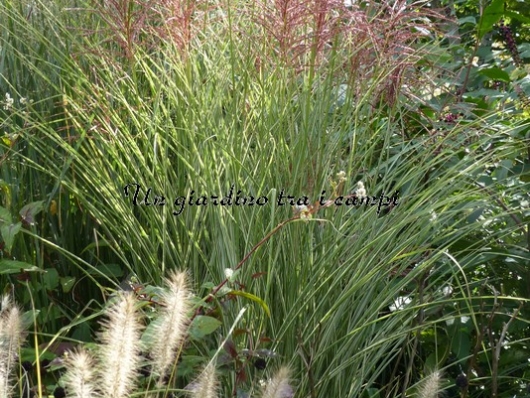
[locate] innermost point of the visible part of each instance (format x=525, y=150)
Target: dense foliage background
x=427, y=99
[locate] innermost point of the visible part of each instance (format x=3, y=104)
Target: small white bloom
x=300, y=208
x=433, y=217
x=228, y=273
x=360, y=191
x=341, y=175
x=447, y=291
x=23, y=100
x=8, y=102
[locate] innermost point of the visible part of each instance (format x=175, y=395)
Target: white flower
x=303, y=210
x=341, y=175
x=360, y=191
x=300, y=208
x=8, y=102
x=23, y=100
x=228, y=273
x=433, y=217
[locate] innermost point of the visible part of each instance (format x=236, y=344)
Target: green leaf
x=501, y=172
x=29, y=211
x=50, y=278
x=253, y=298
x=5, y=216
x=492, y=14
x=67, y=282
x=495, y=74
x=516, y=16
x=208, y=285
x=460, y=344
x=203, y=326
x=475, y=215
x=15, y=267
x=8, y=234
x=109, y=270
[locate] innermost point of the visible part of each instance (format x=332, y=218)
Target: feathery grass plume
x=171, y=327
x=11, y=336
x=278, y=386
x=79, y=375
x=206, y=384
x=430, y=386
x=120, y=349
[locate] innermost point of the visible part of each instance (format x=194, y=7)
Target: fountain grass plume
x=279, y=385
x=11, y=336
x=79, y=376
x=430, y=386
x=120, y=349
x=206, y=384
x=171, y=327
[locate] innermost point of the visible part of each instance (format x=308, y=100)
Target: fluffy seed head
x=206, y=384
x=120, y=349
x=170, y=329
x=79, y=375
x=430, y=386
x=11, y=336
x=278, y=386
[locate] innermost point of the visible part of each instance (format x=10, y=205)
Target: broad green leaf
x=15, y=267
x=492, y=14
x=50, y=278
x=8, y=234
x=202, y=326
x=253, y=298
x=495, y=74
x=67, y=282
x=29, y=211
x=5, y=216
x=517, y=16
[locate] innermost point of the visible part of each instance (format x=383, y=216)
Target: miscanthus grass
x=269, y=96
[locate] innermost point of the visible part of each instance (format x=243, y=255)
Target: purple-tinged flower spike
x=508, y=38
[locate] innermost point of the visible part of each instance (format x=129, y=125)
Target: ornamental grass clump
x=118, y=357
